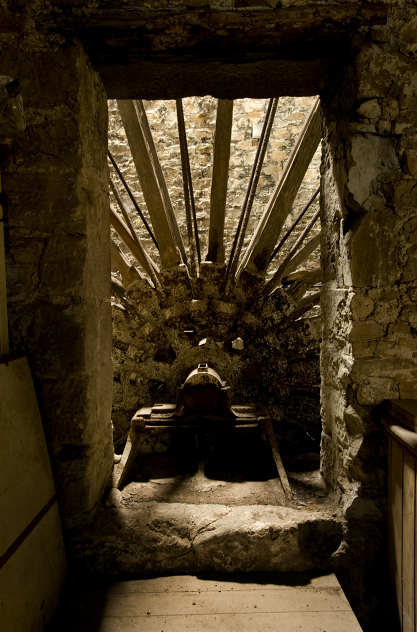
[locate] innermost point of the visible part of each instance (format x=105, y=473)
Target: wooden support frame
x=259, y=251
x=218, y=196
x=152, y=182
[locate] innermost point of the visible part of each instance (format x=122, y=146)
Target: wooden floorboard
x=177, y=604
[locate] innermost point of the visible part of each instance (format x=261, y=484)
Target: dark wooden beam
x=221, y=156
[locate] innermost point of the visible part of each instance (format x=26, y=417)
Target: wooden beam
x=294, y=224
x=151, y=266
x=132, y=198
x=289, y=265
x=193, y=243
x=124, y=234
x=151, y=180
x=311, y=277
x=267, y=233
x=250, y=195
x=127, y=271
x=221, y=156
x=4, y=328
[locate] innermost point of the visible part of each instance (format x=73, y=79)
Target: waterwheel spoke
x=194, y=245
x=130, y=194
x=221, y=157
x=292, y=264
x=152, y=182
x=139, y=253
x=127, y=271
x=151, y=266
x=294, y=225
x=250, y=194
x=259, y=251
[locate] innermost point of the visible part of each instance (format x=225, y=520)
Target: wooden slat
x=4, y=328
x=256, y=622
x=221, y=156
x=397, y=522
x=291, y=602
x=267, y=233
x=191, y=583
x=151, y=180
x=408, y=536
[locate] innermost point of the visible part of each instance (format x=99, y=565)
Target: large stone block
x=373, y=250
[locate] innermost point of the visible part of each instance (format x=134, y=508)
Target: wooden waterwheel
x=192, y=307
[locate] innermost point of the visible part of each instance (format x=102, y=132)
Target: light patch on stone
x=238, y=344
x=373, y=157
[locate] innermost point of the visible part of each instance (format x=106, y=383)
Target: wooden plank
x=397, y=524
x=267, y=233
x=205, y=583
x=218, y=196
x=151, y=180
x=4, y=328
x=195, y=603
x=256, y=622
x=408, y=536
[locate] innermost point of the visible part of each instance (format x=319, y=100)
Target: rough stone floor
x=250, y=602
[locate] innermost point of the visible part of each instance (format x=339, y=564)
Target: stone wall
x=370, y=290
x=58, y=263
x=200, y=121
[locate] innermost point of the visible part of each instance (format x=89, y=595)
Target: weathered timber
x=311, y=277
x=152, y=269
x=302, y=308
x=221, y=156
x=292, y=264
x=302, y=254
x=250, y=194
x=124, y=234
x=266, y=425
x=283, y=268
x=4, y=329
x=127, y=271
x=130, y=194
x=193, y=242
x=259, y=251
x=294, y=224
x=150, y=177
